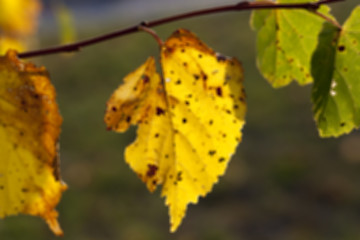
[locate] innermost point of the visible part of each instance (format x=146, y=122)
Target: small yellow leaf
x=18, y=22
x=19, y=17
x=29, y=130
x=189, y=123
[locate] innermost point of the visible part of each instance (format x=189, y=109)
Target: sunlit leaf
x=189, y=129
x=336, y=92
x=18, y=21
x=286, y=40
x=29, y=130
x=19, y=17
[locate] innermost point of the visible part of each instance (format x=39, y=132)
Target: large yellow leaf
x=29, y=130
x=189, y=129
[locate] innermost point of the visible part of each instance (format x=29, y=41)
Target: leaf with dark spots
x=185, y=120
x=336, y=93
x=283, y=54
x=29, y=133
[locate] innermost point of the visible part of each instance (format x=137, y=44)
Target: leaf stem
x=328, y=19
x=143, y=27
x=234, y=7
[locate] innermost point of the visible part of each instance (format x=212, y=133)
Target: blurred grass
x=283, y=183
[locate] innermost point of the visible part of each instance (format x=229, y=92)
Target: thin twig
x=235, y=7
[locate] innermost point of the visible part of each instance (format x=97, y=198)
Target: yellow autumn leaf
x=188, y=129
x=18, y=21
x=30, y=122
x=19, y=17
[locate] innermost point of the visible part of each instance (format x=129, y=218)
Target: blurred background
x=284, y=182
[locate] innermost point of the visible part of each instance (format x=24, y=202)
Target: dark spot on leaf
x=154, y=182
x=342, y=124
x=236, y=106
x=166, y=156
x=211, y=122
x=182, y=50
x=219, y=91
x=187, y=103
x=228, y=111
x=151, y=170
x=114, y=109
x=224, y=135
x=221, y=159
x=205, y=77
x=345, y=69
x=189, y=96
x=200, y=56
x=128, y=119
x=241, y=99
x=341, y=48
x=196, y=76
x=212, y=152
x=184, y=120
x=134, y=88
x=145, y=78
x=160, y=111
x=1, y=187
x=185, y=64
x=178, y=82
x=156, y=135
x=21, y=133
x=178, y=176
x=220, y=58
x=25, y=190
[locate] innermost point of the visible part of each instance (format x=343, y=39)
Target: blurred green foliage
x=283, y=183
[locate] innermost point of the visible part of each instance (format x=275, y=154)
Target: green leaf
x=336, y=91
x=286, y=40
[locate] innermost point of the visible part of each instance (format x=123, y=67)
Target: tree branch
x=235, y=7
